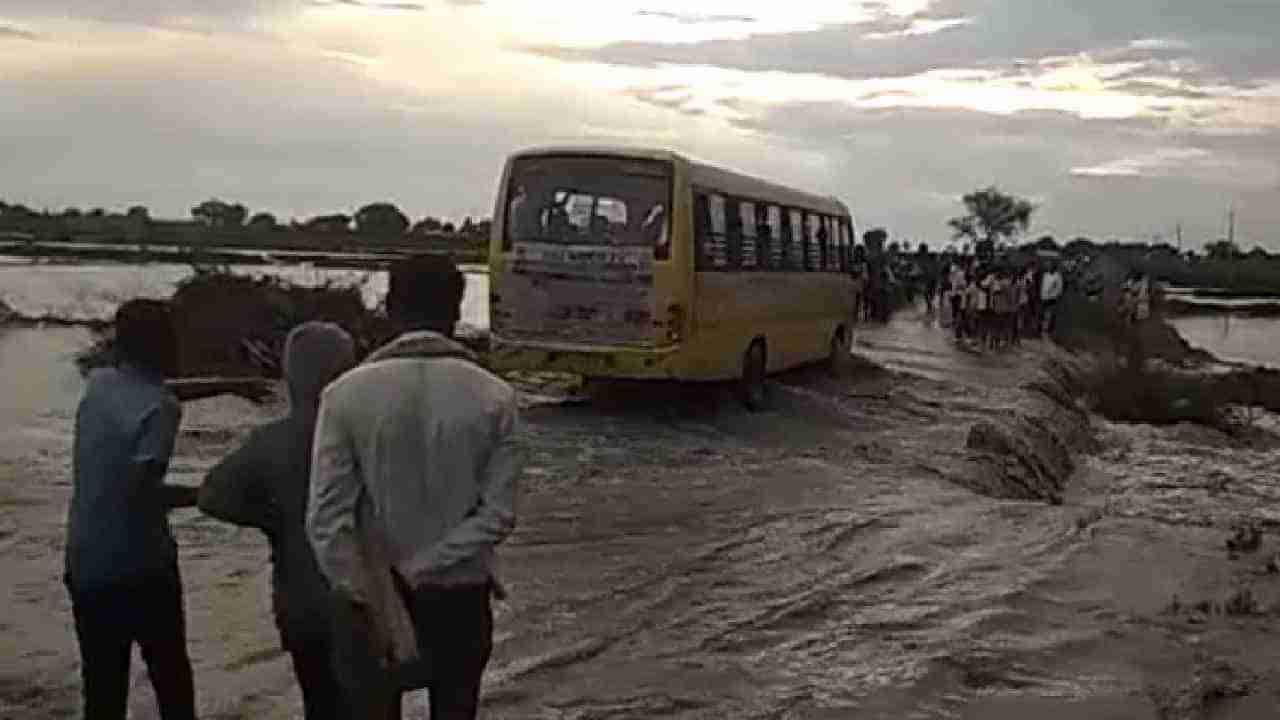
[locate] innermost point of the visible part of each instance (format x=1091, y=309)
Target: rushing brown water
x=679, y=557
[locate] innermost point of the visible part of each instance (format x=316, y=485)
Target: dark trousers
x=313, y=665
x=455, y=638
x=109, y=621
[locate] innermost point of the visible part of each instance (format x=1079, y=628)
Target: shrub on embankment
x=1146, y=372
x=234, y=325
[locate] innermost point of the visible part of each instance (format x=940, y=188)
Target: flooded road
x=679, y=557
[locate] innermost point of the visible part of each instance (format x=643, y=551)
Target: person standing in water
x=265, y=483
x=121, y=558
x=415, y=452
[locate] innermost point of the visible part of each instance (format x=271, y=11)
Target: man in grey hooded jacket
x=264, y=485
x=416, y=448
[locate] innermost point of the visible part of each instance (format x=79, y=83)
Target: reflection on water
x=1244, y=339
x=94, y=291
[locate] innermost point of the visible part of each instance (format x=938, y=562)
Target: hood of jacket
x=315, y=354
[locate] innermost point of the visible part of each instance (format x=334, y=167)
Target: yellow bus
x=645, y=264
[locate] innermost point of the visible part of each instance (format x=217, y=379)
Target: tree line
x=382, y=219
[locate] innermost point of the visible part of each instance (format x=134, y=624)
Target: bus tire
x=752, y=388
x=838, y=356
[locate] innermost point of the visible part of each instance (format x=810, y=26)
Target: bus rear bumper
x=586, y=360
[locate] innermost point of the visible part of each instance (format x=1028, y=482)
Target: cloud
x=899, y=166
x=1159, y=162
x=402, y=6
x=16, y=33
x=695, y=18
x=668, y=97
x=1160, y=90
x=190, y=14
x=1233, y=47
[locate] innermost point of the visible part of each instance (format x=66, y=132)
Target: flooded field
x=94, y=291
x=1252, y=340
x=680, y=557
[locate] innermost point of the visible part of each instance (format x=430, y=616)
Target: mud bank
x=1030, y=452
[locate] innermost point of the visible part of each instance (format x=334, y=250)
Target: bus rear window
x=589, y=201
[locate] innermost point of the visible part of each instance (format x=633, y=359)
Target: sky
x=1119, y=119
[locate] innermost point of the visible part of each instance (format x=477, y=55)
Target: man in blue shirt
x=121, y=559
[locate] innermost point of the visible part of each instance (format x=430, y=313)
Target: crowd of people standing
x=998, y=305
x=987, y=303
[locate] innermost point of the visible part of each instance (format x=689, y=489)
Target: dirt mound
x=1029, y=454
x=234, y=325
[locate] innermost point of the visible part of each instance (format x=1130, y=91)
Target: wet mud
x=934, y=534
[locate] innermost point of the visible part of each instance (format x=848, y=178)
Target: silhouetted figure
x=121, y=559
x=1051, y=287
x=265, y=483
x=415, y=459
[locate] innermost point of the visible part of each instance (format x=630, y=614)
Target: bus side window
x=712, y=236
x=832, y=244
x=812, y=250
x=733, y=234
x=772, y=233
x=748, y=236
x=842, y=234
x=795, y=240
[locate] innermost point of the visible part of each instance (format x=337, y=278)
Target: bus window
x=795, y=240
x=812, y=242
x=831, y=243
x=845, y=246
x=713, y=242
x=748, y=236
x=837, y=225
x=597, y=201
x=772, y=232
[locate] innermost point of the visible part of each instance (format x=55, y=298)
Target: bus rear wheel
x=752, y=387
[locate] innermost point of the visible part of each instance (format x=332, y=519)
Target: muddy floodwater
x=679, y=557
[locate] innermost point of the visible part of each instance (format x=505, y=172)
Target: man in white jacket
x=416, y=449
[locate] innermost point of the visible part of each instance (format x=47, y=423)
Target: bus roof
x=705, y=175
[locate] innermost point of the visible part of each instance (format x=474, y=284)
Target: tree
x=262, y=221
x=991, y=218
x=335, y=223
x=427, y=225
x=1080, y=246
x=381, y=218
x=448, y=229
x=1222, y=250
x=216, y=213
x=1258, y=253
x=875, y=239
x=97, y=213
x=139, y=212
x=1047, y=243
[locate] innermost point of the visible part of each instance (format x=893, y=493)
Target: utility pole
x=1179, y=238
x=1231, y=223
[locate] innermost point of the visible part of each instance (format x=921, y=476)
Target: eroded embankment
x=1029, y=452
